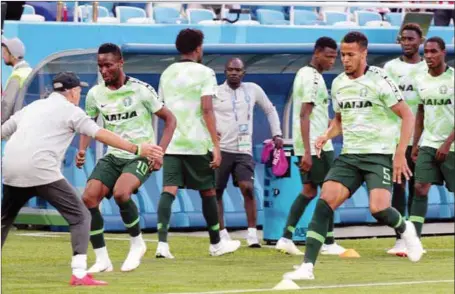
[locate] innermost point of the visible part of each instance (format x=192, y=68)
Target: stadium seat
x=242, y=16
x=395, y=18
x=345, y=24
x=378, y=23
x=272, y=7
x=331, y=17
x=197, y=15
x=32, y=18
x=247, y=23
x=308, y=8
x=28, y=9
x=125, y=13
x=109, y=19
x=362, y=17
x=271, y=17
x=167, y=15
x=211, y=22
x=86, y=12
x=305, y=17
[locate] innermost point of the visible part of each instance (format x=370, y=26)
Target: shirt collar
x=20, y=64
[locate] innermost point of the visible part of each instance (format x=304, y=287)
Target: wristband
x=138, y=150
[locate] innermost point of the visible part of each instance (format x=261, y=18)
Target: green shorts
x=351, y=170
x=428, y=170
x=109, y=168
x=319, y=169
x=189, y=171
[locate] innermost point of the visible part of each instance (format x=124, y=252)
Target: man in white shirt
x=39, y=135
x=234, y=116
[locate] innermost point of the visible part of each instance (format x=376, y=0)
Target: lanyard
x=247, y=100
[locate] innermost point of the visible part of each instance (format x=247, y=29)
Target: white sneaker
x=412, y=241
x=287, y=246
x=137, y=251
x=224, y=247
x=162, y=251
x=103, y=262
x=252, y=238
x=332, y=249
x=224, y=235
x=399, y=248
x=303, y=272
x=101, y=266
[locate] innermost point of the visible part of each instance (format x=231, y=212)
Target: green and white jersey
x=368, y=124
x=182, y=85
x=126, y=111
x=404, y=75
x=309, y=87
x=437, y=96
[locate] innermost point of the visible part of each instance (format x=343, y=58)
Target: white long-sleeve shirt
x=40, y=134
x=244, y=98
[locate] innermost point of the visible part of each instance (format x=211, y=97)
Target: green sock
x=399, y=202
x=130, y=217
x=391, y=217
x=317, y=231
x=418, y=212
x=297, y=209
x=330, y=238
x=97, y=229
x=164, y=215
x=210, y=212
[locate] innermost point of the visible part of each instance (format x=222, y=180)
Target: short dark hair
x=438, y=40
x=110, y=48
x=188, y=40
x=356, y=37
x=412, y=27
x=325, y=42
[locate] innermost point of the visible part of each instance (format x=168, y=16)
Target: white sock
x=79, y=265
x=224, y=232
x=252, y=232
x=163, y=245
x=101, y=253
x=136, y=241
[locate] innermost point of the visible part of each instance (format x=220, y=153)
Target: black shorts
x=240, y=166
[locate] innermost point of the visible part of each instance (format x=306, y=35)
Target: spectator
x=13, y=52
x=442, y=17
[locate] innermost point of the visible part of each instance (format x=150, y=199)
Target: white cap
x=14, y=46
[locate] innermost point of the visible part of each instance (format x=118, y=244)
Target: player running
x=187, y=87
x=403, y=71
x=126, y=106
x=435, y=118
x=310, y=120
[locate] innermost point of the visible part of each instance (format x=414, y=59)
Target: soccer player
x=234, y=116
x=403, y=71
x=40, y=135
x=187, y=87
x=435, y=118
x=362, y=97
x=126, y=106
x=310, y=120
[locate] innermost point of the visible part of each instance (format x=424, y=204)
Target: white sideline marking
x=324, y=287
x=59, y=234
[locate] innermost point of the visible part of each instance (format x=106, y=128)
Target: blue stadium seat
x=362, y=17
x=242, y=16
x=197, y=15
x=271, y=17
x=87, y=11
x=395, y=18
x=332, y=17
x=167, y=15
x=305, y=17
x=28, y=9
x=125, y=13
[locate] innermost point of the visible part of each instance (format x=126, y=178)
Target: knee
x=309, y=191
x=91, y=200
x=247, y=190
x=122, y=194
x=422, y=189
